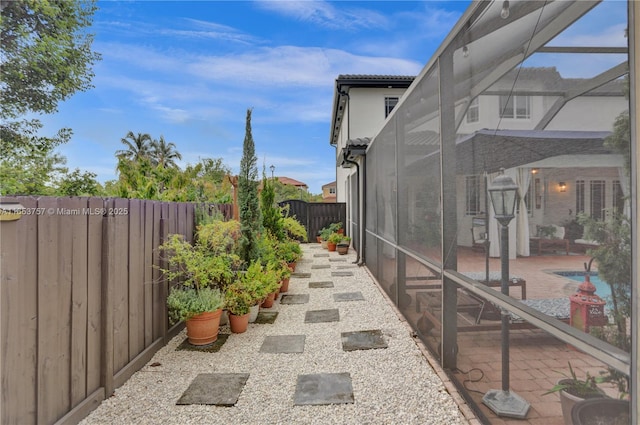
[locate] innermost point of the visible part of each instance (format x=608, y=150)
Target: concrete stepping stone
x=321, y=255
x=214, y=347
x=348, y=296
x=363, y=340
x=294, y=299
x=266, y=317
x=322, y=316
x=351, y=266
x=301, y=275
x=219, y=389
x=337, y=260
x=323, y=388
x=321, y=284
x=283, y=344
x=341, y=273
x=321, y=266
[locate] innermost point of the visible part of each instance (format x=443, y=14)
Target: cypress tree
x=249, y=206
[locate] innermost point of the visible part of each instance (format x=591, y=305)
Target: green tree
x=271, y=216
x=138, y=146
x=79, y=183
x=284, y=192
x=248, y=197
x=164, y=154
x=46, y=58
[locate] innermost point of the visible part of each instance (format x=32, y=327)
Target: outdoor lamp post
x=504, y=193
x=272, y=168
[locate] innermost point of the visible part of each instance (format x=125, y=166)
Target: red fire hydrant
x=587, y=308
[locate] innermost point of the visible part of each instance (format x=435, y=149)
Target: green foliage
x=257, y=283
x=79, y=183
x=583, y=388
x=294, y=229
x=207, y=214
x=248, y=197
x=138, y=147
x=219, y=237
x=164, y=154
x=238, y=299
x=271, y=216
x=335, y=238
x=289, y=251
x=345, y=240
x=613, y=256
x=184, y=303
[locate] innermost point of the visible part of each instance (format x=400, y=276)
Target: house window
x=332, y=190
x=579, y=196
x=597, y=199
x=389, y=104
x=618, y=197
x=473, y=113
x=517, y=107
x=472, y=192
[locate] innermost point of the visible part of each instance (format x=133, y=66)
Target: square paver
x=350, y=266
x=283, y=344
x=214, y=347
x=266, y=317
x=320, y=255
x=321, y=316
x=321, y=284
x=341, y=273
x=323, y=388
x=348, y=296
x=337, y=260
x=363, y=340
x=301, y=275
x=219, y=389
x=321, y=266
x=294, y=299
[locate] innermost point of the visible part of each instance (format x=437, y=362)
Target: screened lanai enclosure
x=537, y=91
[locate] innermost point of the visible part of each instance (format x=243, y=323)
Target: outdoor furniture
x=540, y=244
x=495, y=281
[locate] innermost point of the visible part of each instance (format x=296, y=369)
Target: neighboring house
x=292, y=182
x=542, y=101
x=329, y=192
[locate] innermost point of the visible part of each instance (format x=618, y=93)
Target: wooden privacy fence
x=82, y=306
x=316, y=215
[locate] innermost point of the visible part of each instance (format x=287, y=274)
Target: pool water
x=602, y=288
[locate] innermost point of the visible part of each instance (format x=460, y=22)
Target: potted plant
x=343, y=246
x=605, y=411
x=333, y=241
x=238, y=301
x=324, y=234
x=571, y=390
x=197, y=298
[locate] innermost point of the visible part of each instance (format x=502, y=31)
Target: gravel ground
x=395, y=385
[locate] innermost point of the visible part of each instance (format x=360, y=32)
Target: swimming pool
x=602, y=288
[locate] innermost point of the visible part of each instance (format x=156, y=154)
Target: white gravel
x=395, y=385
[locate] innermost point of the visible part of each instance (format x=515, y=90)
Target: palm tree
x=138, y=146
x=164, y=154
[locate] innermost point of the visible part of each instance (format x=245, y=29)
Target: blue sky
x=188, y=70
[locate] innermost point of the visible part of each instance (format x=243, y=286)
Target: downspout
x=360, y=232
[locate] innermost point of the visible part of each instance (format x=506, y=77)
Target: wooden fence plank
x=94, y=293
x=77, y=227
x=157, y=275
x=136, y=279
x=53, y=308
x=109, y=265
x=18, y=310
x=121, y=287
x=149, y=230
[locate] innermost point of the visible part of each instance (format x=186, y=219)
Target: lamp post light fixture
x=272, y=168
x=504, y=193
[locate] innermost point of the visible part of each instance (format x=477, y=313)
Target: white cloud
x=325, y=14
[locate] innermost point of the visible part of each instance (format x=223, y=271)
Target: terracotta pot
x=202, y=329
x=292, y=267
x=285, y=285
x=319, y=239
x=331, y=246
x=340, y=231
x=238, y=324
x=268, y=303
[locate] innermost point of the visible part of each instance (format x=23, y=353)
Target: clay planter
x=342, y=249
x=285, y=285
x=292, y=267
x=268, y=303
x=202, y=329
x=238, y=324
x=319, y=239
x=331, y=246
